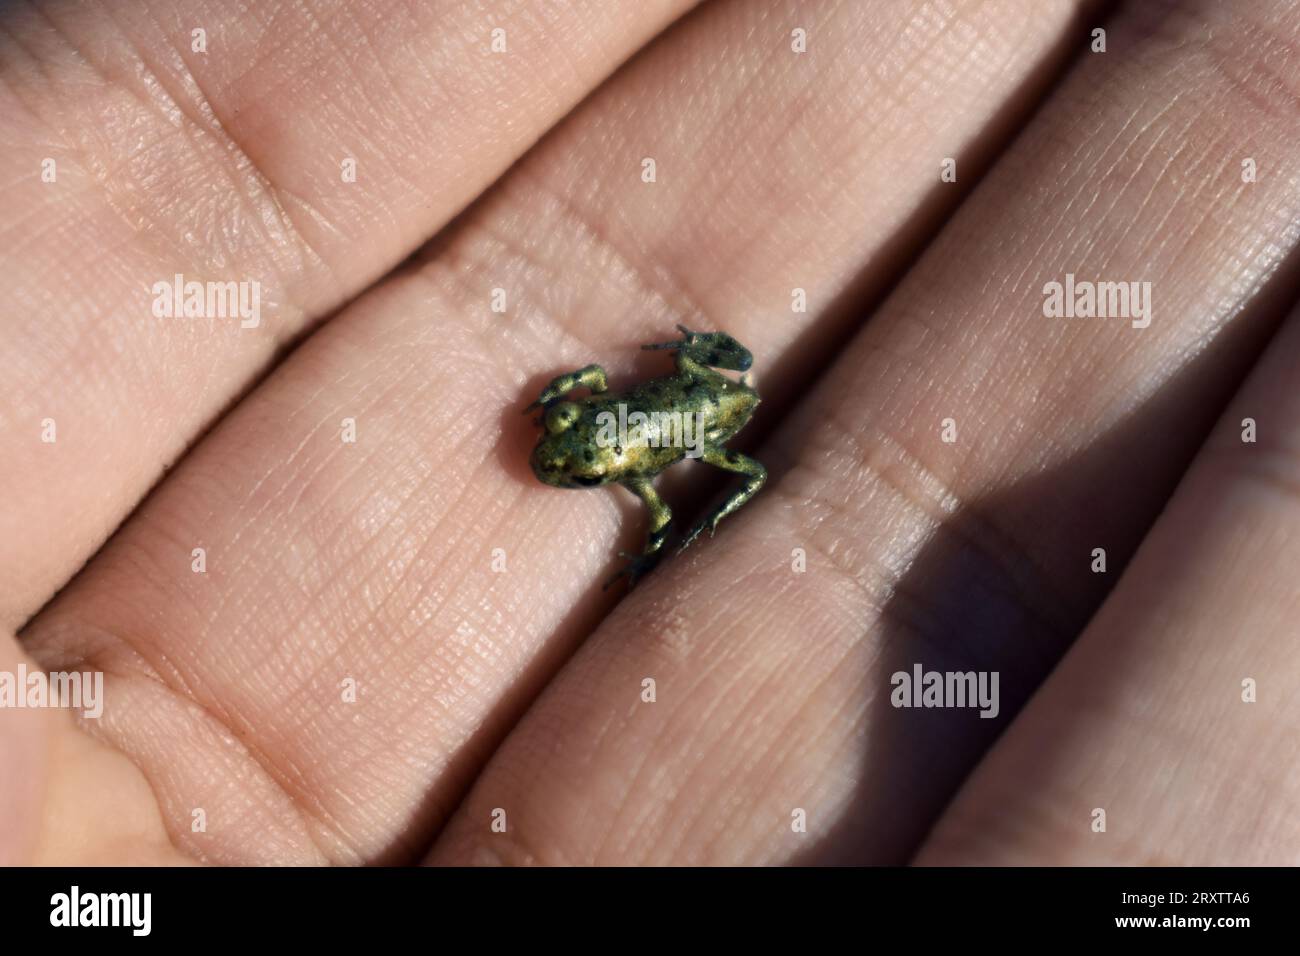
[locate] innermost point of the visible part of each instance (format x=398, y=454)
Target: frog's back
x=724, y=405
x=666, y=409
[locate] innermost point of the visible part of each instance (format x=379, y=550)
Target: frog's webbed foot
x=592, y=377
x=755, y=474
x=660, y=520
x=688, y=338
x=708, y=349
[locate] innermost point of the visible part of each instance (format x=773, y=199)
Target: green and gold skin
x=576, y=451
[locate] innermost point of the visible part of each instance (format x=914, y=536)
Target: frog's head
x=565, y=457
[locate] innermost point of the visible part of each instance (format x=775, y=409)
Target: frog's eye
x=561, y=416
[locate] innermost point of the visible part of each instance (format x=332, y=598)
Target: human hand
x=383, y=646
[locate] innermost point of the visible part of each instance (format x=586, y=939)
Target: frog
x=579, y=449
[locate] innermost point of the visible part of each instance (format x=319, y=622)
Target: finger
x=1167, y=735
x=296, y=150
x=23, y=754
x=878, y=545
x=63, y=795
x=375, y=561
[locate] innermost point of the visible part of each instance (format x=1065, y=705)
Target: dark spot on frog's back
x=589, y=455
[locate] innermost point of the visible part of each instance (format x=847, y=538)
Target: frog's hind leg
x=707, y=350
x=755, y=474
x=660, y=519
x=592, y=377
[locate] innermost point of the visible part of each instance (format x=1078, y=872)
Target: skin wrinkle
x=1131, y=182
x=15, y=38
x=659, y=280
x=377, y=57
x=449, y=274
x=796, y=727
x=99, y=361
x=542, y=27
x=1143, y=163
x=276, y=770
x=684, y=738
x=223, y=726
x=1186, y=239
x=343, y=54
x=199, y=107
x=868, y=591
x=1085, y=176
x=125, y=207
x=975, y=532
x=839, y=512
x=424, y=592
x=192, y=690
x=1225, y=60
x=294, y=779
x=1273, y=477
x=688, y=835
x=489, y=244
x=736, y=115
x=430, y=541
x=140, y=565
x=285, y=471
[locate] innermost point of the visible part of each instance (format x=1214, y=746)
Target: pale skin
x=372, y=562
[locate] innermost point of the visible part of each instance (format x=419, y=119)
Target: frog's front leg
x=592, y=377
x=755, y=474
x=660, y=519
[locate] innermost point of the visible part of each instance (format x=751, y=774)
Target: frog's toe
x=709, y=525
x=637, y=565
x=544, y=401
